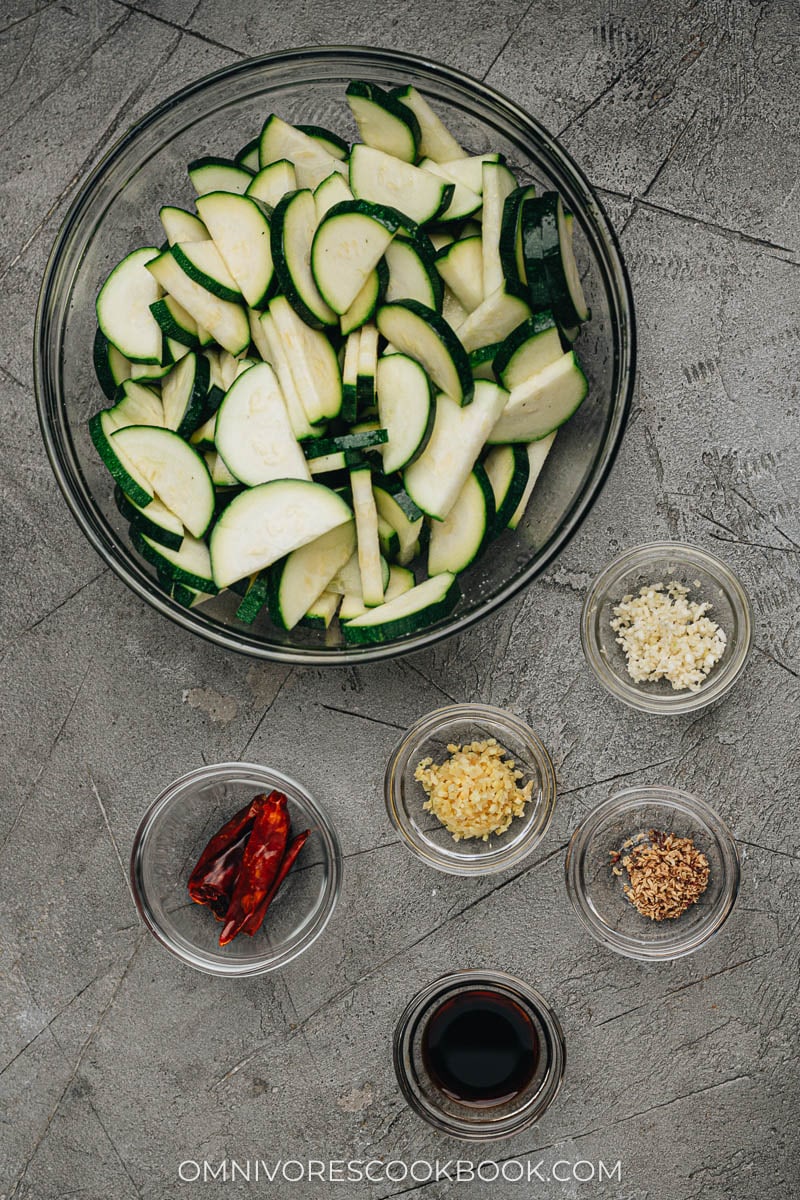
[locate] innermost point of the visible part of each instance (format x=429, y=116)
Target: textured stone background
x=116, y=1062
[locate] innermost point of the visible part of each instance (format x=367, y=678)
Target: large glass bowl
x=117, y=210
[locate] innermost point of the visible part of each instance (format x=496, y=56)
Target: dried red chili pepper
x=260, y=865
x=221, y=850
x=216, y=886
x=253, y=922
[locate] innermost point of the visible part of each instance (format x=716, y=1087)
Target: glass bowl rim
x=718, y=683
x=616, y=283
x=220, y=772
x=513, y=1123
x=489, y=862
x=681, y=944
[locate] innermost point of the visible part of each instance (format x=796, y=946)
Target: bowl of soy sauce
x=479, y=1055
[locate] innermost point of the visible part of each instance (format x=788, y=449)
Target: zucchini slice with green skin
x=294, y=406
x=182, y=226
x=348, y=244
x=458, y=540
x=340, y=460
x=293, y=225
x=321, y=613
x=137, y=404
x=435, y=140
x=345, y=442
x=239, y=226
x=510, y=244
x=542, y=404
x=350, y=377
x=468, y=171
x=312, y=162
x=175, y=322
x=173, y=470
x=156, y=521
x=527, y=350
x=111, y=367
x=152, y=372
x=435, y=480
x=463, y=202
x=368, y=300
x=408, y=613
x=367, y=366
x=212, y=174
x=204, y=264
x=537, y=453
x=220, y=475
x=498, y=184
x=264, y=523
x=189, y=565
x=333, y=190
x=299, y=580
x=550, y=262
x=412, y=272
x=425, y=336
x=123, y=308
x=247, y=157
x=185, y=596
x=461, y=267
x=312, y=361
x=388, y=539
x=334, y=145
x=384, y=122
x=369, y=549
x=253, y=433
x=254, y=598
x=383, y=179
x=347, y=580
x=481, y=361
x=406, y=409
x=271, y=183
x=394, y=505
x=130, y=479
x=184, y=394
x=226, y=322
x=399, y=580
x=493, y=320
x=507, y=469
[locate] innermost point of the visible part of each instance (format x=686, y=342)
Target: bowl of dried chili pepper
x=236, y=869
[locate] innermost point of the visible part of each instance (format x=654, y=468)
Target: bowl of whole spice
x=666, y=628
x=653, y=873
x=471, y=789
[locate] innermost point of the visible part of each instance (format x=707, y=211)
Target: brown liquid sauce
x=480, y=1048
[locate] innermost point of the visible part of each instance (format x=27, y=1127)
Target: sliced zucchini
x=399, y=580
x=334, y=145
x=348, y=243
x=461, y=267
x=406, y=409
x=204, y=264
x=221, y=477
x=383, y=179
x=425, y=336
x=174, y=471
x=528, y=349
x=182, y=226
x=322, y=611
x=337, y=460
x=156, y=520
x=254, y=598
x=189, y=564
x=369, y=551
x=435, y=141
x=408, y=613
x=453, y=310
x=396, y=506
x=111, y=367
x=264, y=523
x=312, y=161
x=312, y=361
x=137, y=404
x=498, y=183
x=333, y=190
x=185, y=596
x=384, y=122
x=537, y=453
x=247, y=157
x=293, y=226
x=239, y=226
x=211, y=174
x=550, y=266
x=435, y=480
x=203, y=437
x=152, y=372
x=463, y=202
x=388, y=539
x=368, y=300
x=184, y=394
x=543, y=403
x=481, y=361
x=412, y=273
x=294, y=406
x=226, y=322
x=493, y=320
x=343, y=443
x=347, y=580
x=367, y=367
x=253, y=432
x=271, y=183
x=510, y=244
x=507, y=469
x=469, y=171
x=123, y=308
x=102, y=427
x=175, y=322
x=350, y=377
x=258, y=336
x=458, y=540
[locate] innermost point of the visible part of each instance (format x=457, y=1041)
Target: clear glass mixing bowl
x=117, y=210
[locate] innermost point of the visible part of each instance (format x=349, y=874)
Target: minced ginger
x=475, y=791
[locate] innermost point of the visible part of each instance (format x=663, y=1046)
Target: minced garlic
x=474, y=792
x=667, y=636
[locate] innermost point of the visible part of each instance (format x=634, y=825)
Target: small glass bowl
x=424, y=834
x=169, y=842
x=708, y=579
x=597, y=895
x=467, y=1122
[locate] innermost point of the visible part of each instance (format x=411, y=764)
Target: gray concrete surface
x=115, y=1063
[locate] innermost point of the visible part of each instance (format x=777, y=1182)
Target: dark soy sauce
x=480, y=1048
